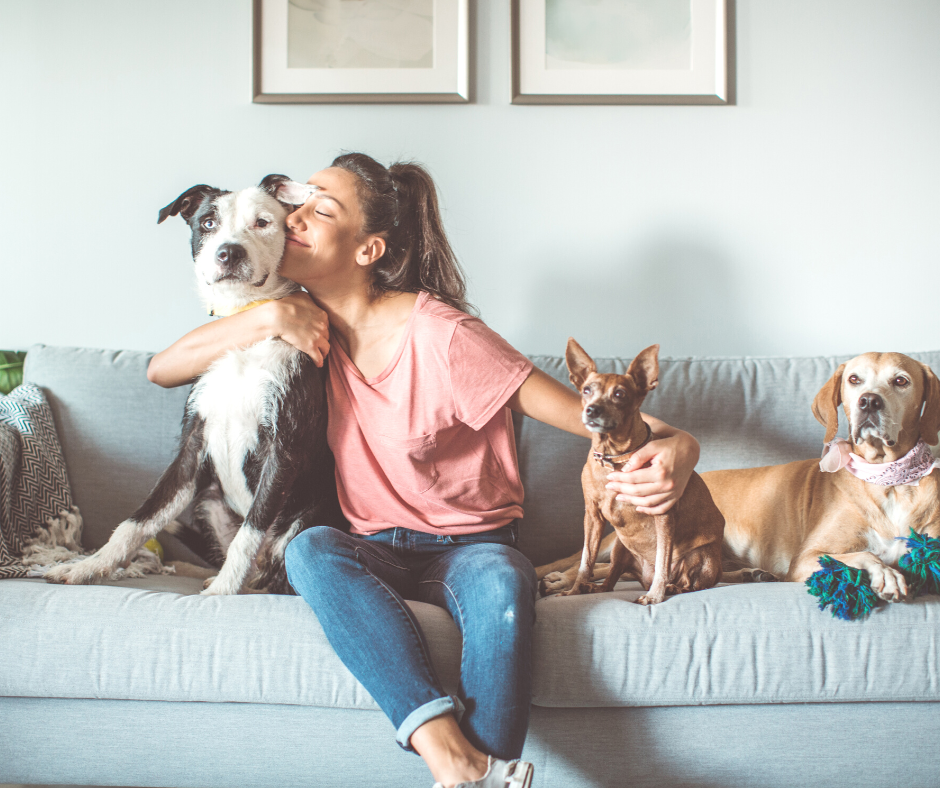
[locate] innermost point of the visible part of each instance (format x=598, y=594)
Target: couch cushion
x=754, y=643
x=155, y=638
x=117, y=429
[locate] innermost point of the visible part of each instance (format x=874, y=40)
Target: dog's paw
x=216, y=587
x=650, y=599
x=207, y=583
x=554, y=583
x=79, y=573
x=887, y=583
x=758, y=576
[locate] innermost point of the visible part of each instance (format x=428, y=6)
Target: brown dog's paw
x=758, y=576
x=554, y=583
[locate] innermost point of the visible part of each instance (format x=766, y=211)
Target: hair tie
x=397, y=207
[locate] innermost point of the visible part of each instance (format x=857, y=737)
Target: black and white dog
x=253, y=452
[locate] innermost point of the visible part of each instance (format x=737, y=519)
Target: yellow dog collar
x=252, y=305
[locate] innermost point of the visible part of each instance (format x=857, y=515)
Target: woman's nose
x=295, y=220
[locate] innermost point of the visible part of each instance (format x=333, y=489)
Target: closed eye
x=322, y=213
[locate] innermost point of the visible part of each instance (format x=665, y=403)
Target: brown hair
x=400, y=204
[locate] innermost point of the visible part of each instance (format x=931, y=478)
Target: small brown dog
x=671, y=553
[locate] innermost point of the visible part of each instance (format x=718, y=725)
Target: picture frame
x=680, y=52
x=372, y=51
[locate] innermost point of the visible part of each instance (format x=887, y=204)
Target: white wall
x=803, y=220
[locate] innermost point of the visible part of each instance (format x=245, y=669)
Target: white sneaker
x=501, y=774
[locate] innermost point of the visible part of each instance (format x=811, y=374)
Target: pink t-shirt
x=428, y=444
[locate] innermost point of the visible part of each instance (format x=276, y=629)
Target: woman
x=418, y=391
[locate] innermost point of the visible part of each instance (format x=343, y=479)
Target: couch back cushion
x=119, y=431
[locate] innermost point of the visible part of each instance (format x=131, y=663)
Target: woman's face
x=324, y=234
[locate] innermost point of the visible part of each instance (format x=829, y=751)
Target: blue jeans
x=357, y=587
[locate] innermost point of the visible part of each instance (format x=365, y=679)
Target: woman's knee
x=505, y=586
x=313, y=550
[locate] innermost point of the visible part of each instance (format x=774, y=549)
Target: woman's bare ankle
x=448, y=754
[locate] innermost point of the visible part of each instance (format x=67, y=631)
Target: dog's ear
x=644, y=369
x=930, y=418
x=186, y=204
x=580, y=364
x=827, y=402
x=284, y=190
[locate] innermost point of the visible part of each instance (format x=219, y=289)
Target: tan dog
x=672, y=553
x=781, y=518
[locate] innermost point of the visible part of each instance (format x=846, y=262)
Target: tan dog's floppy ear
x=930, y=418
x=827, y=402
x=644, y=369
x=580, y=364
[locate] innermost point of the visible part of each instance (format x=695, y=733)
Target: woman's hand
x=299, y=321
x=656, y=475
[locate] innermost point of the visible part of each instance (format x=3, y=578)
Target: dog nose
x=230, y=255
x=591, y=411
x=870, y=402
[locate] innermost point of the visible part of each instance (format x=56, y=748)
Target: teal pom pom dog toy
x=848, y=590
x=921, y=563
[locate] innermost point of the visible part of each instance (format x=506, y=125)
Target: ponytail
x=400, y=204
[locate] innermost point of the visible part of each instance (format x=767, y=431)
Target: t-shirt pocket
x=409, y=462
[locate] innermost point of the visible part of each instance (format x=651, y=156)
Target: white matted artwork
x=621, y=51
x=361, y=51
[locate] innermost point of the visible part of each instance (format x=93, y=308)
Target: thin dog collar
x=236, y=310
x=610, y=459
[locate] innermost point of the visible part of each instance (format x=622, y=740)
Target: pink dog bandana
x=909, y=469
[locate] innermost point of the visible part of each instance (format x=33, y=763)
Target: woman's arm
x=656, y=475
x=295, y=319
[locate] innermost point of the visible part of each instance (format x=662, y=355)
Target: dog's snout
x=592, y=411
x=870, y=402
x=230, y=255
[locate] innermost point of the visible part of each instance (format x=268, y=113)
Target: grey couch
x=144, y=682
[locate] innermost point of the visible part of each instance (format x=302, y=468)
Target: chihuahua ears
x=580, y=364
x=930, y=418
x=827, y=402
x=644, y=369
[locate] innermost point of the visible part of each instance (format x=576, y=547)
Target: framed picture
x=308, y=51
x=622, y=51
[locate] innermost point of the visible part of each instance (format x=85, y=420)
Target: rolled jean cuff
x=422, y=714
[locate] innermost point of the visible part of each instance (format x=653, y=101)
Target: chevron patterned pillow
x=33, y=480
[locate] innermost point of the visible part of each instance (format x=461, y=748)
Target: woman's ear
x=371, y=250
x=826, y=404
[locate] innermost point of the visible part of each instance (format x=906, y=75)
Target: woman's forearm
x=190, y=356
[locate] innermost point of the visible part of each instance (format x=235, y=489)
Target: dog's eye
x=208, y=224
x=619, y=393
x=901, y=382
x=586, y=390
x=262, y=223
x=854, y=380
